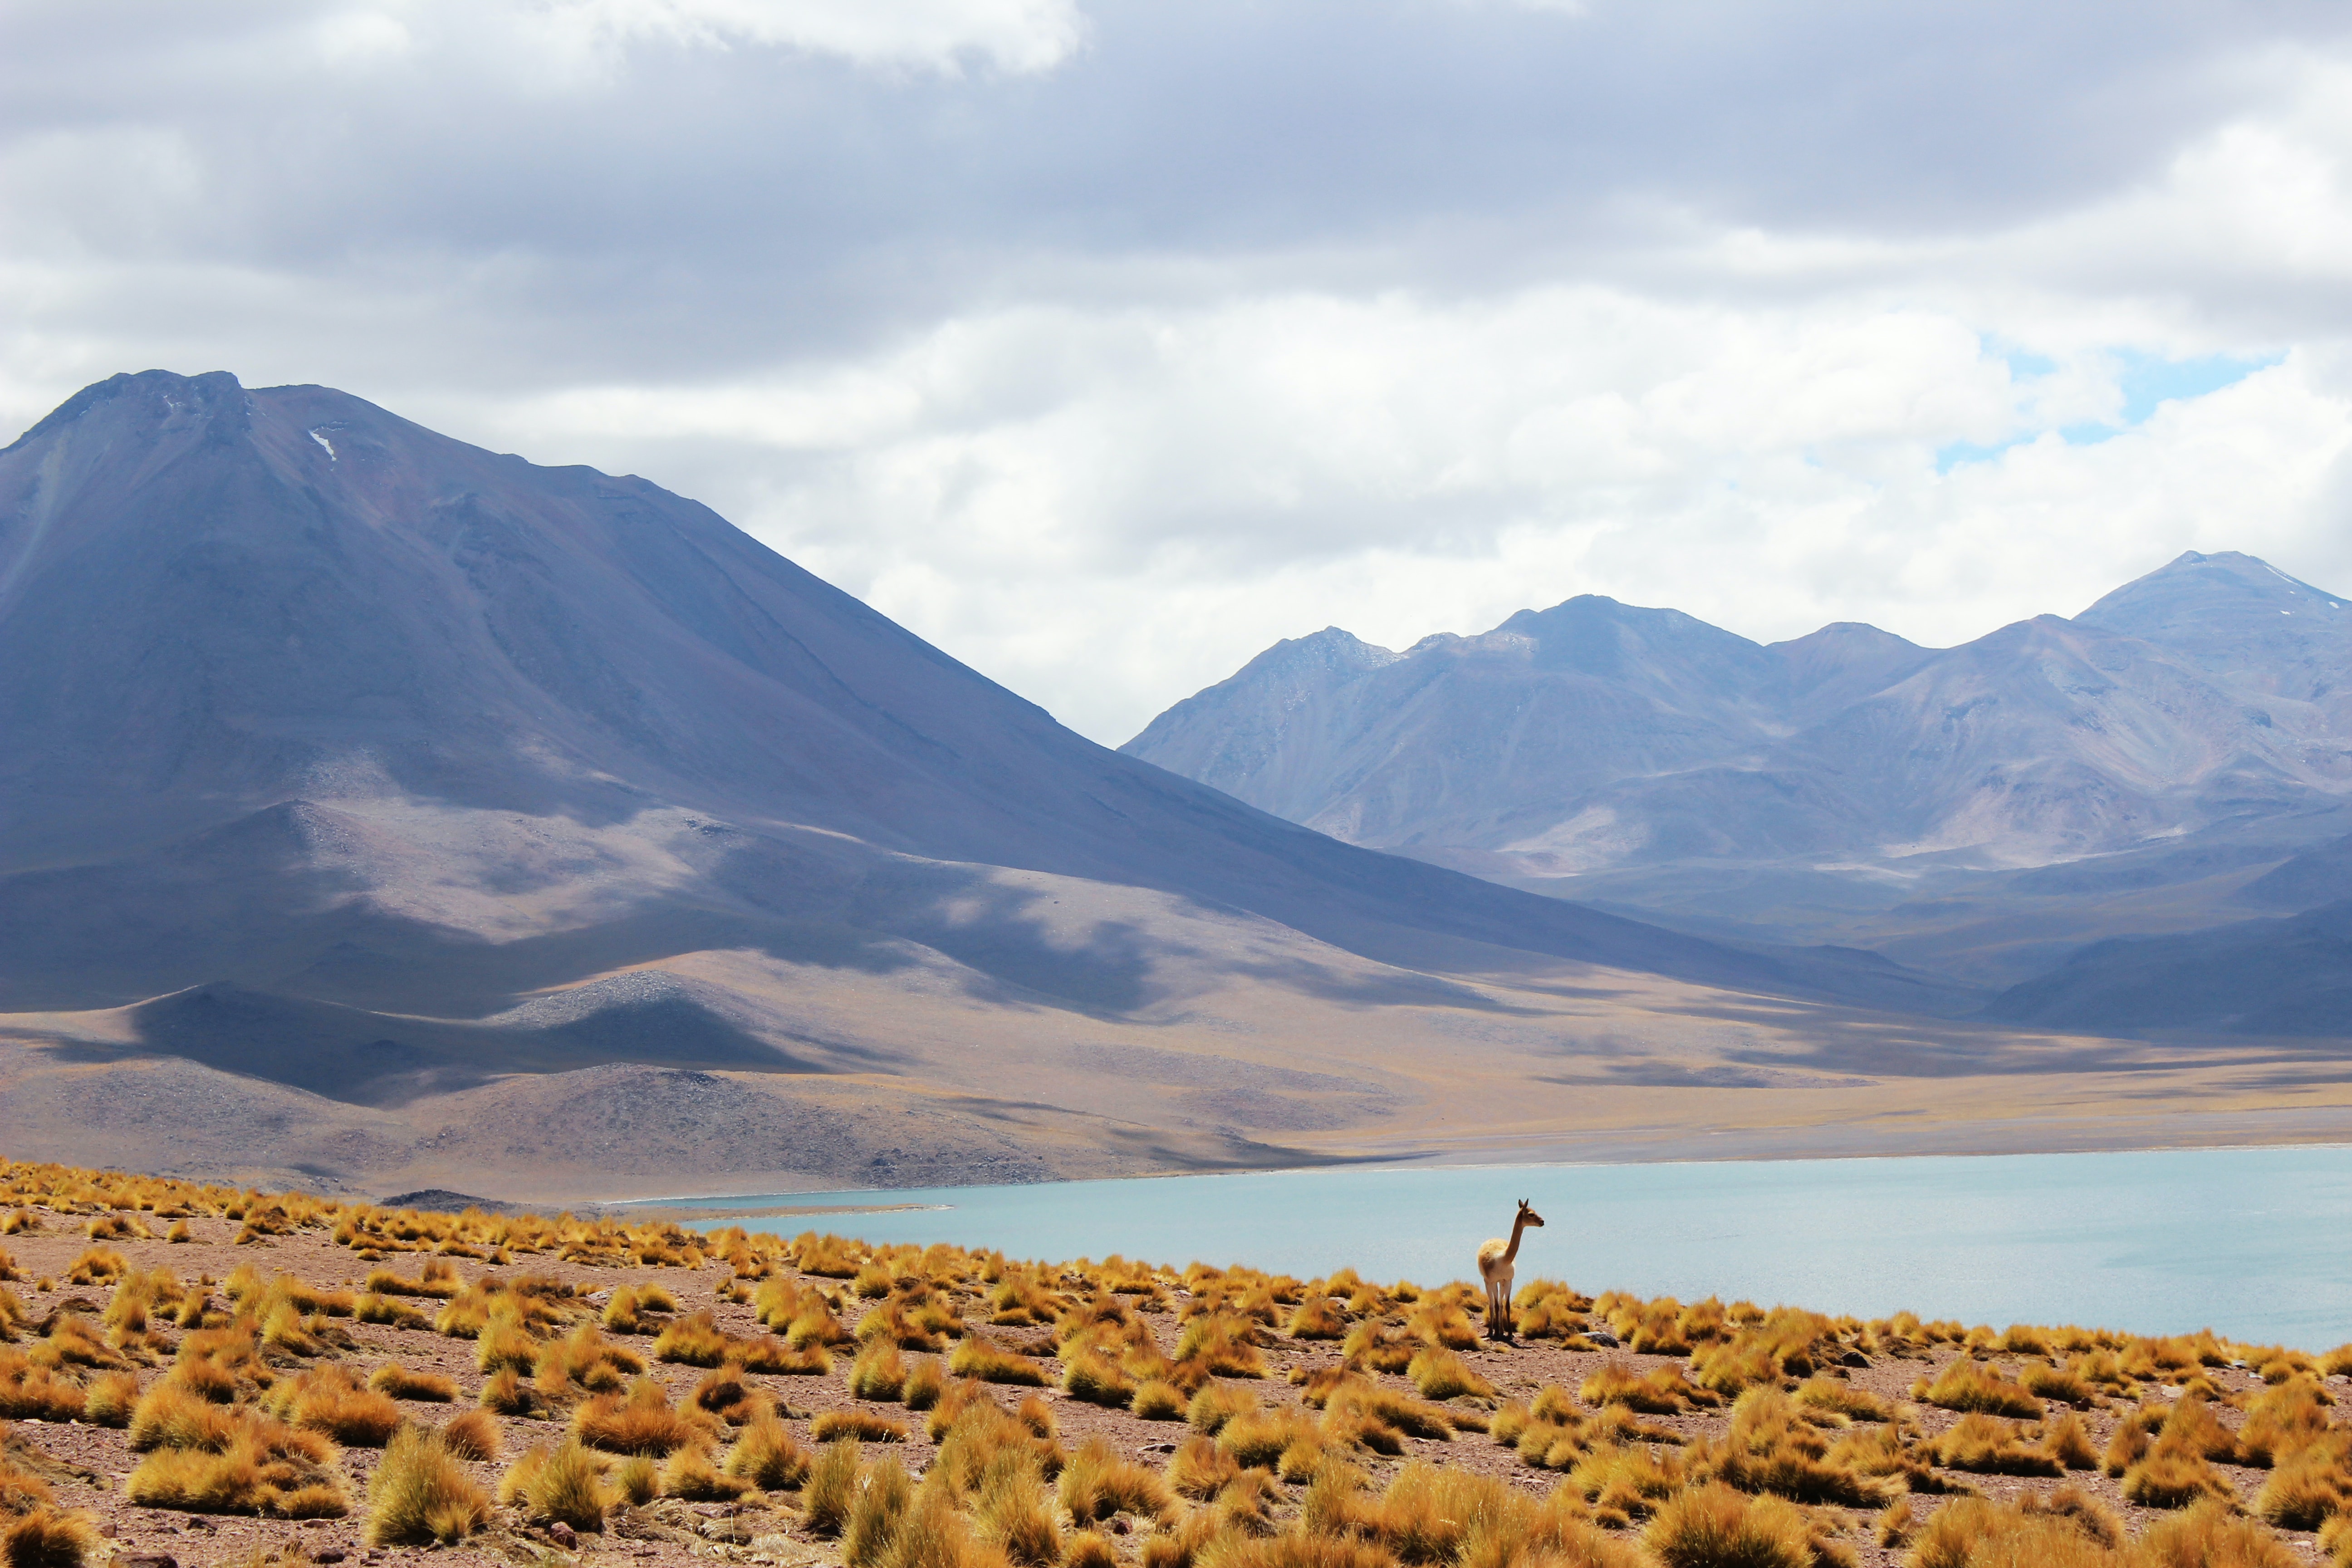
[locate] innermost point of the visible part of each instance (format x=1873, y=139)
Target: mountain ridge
x=369, y=778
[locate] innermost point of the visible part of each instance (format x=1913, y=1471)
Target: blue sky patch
x=2147, y=381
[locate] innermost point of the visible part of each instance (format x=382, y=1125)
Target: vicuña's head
x=1529, y=1216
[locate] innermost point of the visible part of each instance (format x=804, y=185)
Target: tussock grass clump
x=97, y=1265
x=2173, y=1477
x=2064, y=1385
x=926, y=1381
x=766, y=1455
x=1713, y=1526
x=374, y=1308
x=1988, y=1445
x=862, y=1424
x=1219, y=1344
x=1014, y=1511
x=30, y=1393
x=1662, y=1392
x=1096, y=1380
x=565, y=1484
x=2210, y=1535
x=1218, y=1404
x=328, y=1399
x=2068, y=1441
x=640, y=1422
x=422, y=1493
x=632, y=1307
x=1378, y=1347
x=696, y=1341
x=727, y=1394
x=1439, y=1373
x=2310, y=1486
x=877, y=1515
x=831, y=1488
x=1096, y=1484
x=261, y=1467
x=1965, y=1385
x=878, y=1372
x=991, y=1362
x=2281, y=1420
x=398, y=1381
x=1157, y=1400
x=472, y=1434
x=111, y=1398
x=49, y=1538
x=506, y=1393
x=690, y=1475
x=1844, y=1399
x=1772, y=1449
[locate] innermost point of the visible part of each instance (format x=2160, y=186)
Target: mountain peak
x=2235, y=614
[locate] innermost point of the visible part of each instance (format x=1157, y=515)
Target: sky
x=1105, y=343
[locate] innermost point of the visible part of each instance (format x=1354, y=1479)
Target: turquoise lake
x=2253, y=1243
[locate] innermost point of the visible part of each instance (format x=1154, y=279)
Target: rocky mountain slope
x=1847, y=787
x=381, y=778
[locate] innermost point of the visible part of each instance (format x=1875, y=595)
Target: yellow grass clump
x=642, y=1421
x=47, y=1538
x=989, y=1362
x=398, y=1381
x=565, y=1484
x=862, y=1424
x=421, y=1493
x=766, y=1455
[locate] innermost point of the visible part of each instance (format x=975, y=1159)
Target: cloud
x=1104, y=346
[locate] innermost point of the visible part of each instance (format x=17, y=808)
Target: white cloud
x=1106, y=348
x=1019, y=36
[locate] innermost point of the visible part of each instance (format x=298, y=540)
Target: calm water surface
x=2254, y=1243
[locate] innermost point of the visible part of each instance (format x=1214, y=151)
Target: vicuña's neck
x=1517, y=1226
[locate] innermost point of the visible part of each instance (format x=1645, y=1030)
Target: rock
x=145, y=1560
x=564, y=1535
x=327, y=1554
x=1118, y=1525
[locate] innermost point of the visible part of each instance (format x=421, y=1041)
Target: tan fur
x=1495, y=1257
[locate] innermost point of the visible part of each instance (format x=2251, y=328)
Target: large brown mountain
x=352, y=762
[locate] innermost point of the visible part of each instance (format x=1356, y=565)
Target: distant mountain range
x=355, y=763
x=2164, y=760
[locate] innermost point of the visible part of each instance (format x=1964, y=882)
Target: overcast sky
x=1105, y=343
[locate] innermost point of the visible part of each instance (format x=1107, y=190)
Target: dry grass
x=995, y=1493
x=1965, y=1385
x=690, y=1475
x=861, y=1425
x=766, y=1455
x=877, y=1514
x=1715, y=1527
x=49, y=1538
x=1439, y=1373
x=398, y=1381
x=1988, y=1445
x=831, y=1489
x=991, y=1362
x=640, y=1422
x=1661, y=1392
x=565, y=1484
x=330, y=1400
x=878, y=1372
x=1096, y=1484
x=422, y=1493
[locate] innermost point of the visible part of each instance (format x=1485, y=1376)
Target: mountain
x=1847, y=787
x=350, y=762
